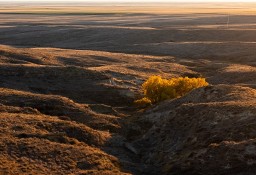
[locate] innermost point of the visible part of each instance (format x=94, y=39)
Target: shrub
x=144, y=102
x=157, y=89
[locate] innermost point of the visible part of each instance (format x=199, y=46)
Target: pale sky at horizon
x=127, y=1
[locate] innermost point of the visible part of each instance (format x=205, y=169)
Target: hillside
x=210, y=127
x=54, y=105
x=68, y=118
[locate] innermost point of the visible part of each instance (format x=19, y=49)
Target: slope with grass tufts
x=209, y=131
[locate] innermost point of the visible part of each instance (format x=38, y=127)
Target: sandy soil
x=69, y=76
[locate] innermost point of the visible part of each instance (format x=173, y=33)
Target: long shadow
x=127, y=35
x=78, y=84
x=19, y=57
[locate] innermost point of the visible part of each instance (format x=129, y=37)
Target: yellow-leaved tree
x=157, y=89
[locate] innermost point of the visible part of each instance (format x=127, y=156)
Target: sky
x=127, y=0
x=120, y=1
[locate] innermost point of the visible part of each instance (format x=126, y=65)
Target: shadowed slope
x=210, y=127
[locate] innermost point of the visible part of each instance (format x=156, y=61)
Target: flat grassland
x=69, y=75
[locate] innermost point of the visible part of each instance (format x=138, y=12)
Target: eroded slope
x=209, y=131
x=70, y=111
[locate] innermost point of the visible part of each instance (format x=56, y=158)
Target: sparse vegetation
x=157, y=89
x=143, y=102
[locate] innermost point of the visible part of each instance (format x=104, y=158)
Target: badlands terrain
x=69, y=76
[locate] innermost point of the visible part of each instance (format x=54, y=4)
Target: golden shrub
x=144, y=102
x=157, y=89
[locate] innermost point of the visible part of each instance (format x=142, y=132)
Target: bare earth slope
x=212, y=127
x=67, y=83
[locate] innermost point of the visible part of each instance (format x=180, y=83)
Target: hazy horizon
x=122, y=1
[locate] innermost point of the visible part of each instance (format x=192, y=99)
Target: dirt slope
x=209, y=131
